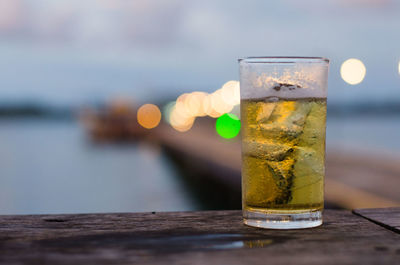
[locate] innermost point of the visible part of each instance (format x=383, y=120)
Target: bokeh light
x=181, y=117
x=181, y=106
x=231, y=92
x=207, y=108
x=353, y=71
x=228, y=126
x=182, y=113
x=194, y=103
x=179, y=122
x=218, y=104
x=149, y=116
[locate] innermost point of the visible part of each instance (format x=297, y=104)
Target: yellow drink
x=283, y=149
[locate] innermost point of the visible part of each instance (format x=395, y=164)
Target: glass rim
x=283, y=59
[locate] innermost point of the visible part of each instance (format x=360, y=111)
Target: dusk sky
x=72, y=52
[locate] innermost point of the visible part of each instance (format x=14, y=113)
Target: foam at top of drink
x=290, y=84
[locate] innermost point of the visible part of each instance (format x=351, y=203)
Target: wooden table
x=368, y=236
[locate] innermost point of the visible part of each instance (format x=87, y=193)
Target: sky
x=75, y=52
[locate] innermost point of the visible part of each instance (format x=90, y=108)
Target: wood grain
x=386, y=217
x=213, y=237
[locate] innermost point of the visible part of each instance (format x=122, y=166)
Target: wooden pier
x=353, y=179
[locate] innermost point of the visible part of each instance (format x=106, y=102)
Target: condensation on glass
x=283, y=113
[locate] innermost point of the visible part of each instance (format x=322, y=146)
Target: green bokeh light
x=228, y=125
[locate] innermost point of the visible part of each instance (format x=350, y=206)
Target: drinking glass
x=283, y=114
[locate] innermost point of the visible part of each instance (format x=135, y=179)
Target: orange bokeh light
x=149, y=116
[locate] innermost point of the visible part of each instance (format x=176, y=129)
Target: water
x=50, y=167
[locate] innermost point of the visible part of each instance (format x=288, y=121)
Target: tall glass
x=283, y=113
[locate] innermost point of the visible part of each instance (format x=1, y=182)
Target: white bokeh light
x=353, y=71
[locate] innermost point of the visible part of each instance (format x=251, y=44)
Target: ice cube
x=264, y=111
x=309, y=162
x=282, y=173
x=309, y=167
x=260, y=188
x=286, y=120
x=314, y=129
x=266, y=150
x=280, y=131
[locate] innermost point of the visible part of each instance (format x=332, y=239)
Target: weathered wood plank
x=213, y=237
x=386, y=217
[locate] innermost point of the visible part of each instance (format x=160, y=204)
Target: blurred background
x=121, y=106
